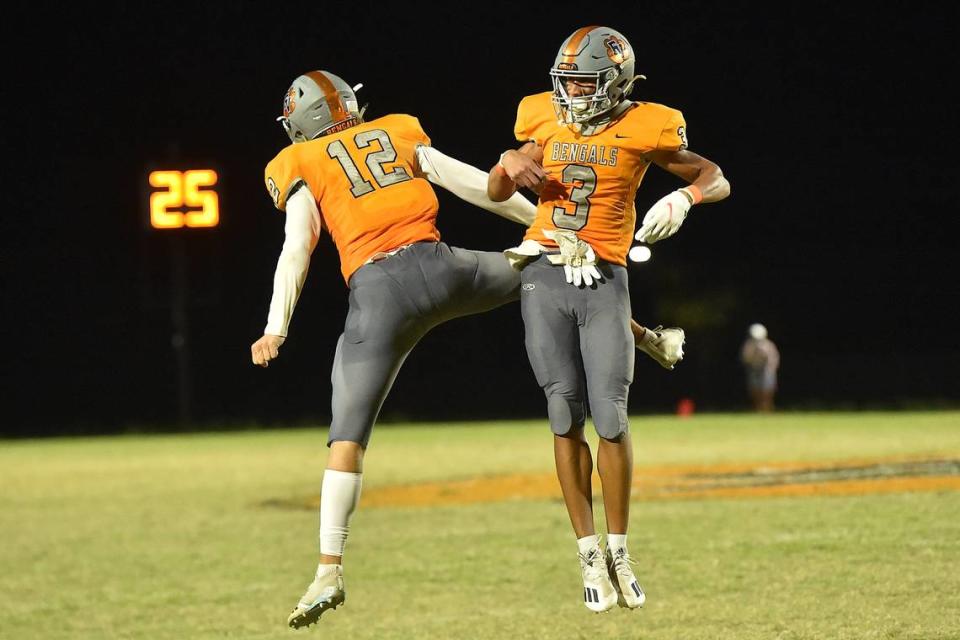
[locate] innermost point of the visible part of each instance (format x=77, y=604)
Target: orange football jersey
x=364, y=183
x=592, y=180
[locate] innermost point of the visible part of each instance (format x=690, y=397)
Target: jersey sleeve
x=408, y=128
x=282, y=178
x=419, y=135
x=535, y=118
x=520, y=128
x=673, y=135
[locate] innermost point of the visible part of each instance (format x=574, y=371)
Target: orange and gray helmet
x=318, y=103
x=597, y=54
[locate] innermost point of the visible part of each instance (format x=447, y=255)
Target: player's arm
x=469, y=184
x=301, y=231
x=702, y=174
x=706, y=184
x=516, y=168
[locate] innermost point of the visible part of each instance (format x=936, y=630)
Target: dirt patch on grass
x=854, y=477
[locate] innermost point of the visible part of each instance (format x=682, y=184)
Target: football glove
x=577, y=257
x=665, y=217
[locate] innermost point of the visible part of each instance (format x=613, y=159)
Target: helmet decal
x=573, y=47
x=289, y=102
x=337, y=109
x=351, y=121
x=617, y=49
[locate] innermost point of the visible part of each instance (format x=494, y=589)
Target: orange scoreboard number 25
x=184, y=199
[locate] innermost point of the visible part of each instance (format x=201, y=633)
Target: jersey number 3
x=584, y=179
x=375, y=161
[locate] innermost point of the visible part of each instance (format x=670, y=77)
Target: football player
x=596, y=145
x=368, y=185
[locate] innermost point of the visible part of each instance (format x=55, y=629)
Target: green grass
x=164, y=537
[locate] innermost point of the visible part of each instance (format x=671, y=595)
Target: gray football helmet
x=597, y=54
x=318, y=103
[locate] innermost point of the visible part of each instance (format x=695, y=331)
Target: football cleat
x=325, y=592
x=663, y=345
x=630, y=594
x=599, y=594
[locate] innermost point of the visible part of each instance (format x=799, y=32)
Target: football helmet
x=318, y=103
x=597, y=54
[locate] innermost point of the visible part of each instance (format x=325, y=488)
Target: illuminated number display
x=184, y=199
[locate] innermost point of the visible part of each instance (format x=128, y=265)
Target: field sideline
x=214, y=535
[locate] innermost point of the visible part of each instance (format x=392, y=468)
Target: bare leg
x=574, y=468
x=615, y=464
x=767, y=401
x=345, y=456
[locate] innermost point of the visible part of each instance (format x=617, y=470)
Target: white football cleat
x=663, y=345
x=630, y=594
x=325, y=592
x=598, y=592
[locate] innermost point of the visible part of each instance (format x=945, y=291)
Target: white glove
x=520, y=256
x=587, y=275
x=665, y=217
x=578, y=259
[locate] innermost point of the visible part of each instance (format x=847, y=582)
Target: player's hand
x=523, y=170
x=586, y=275
x=266, y=349
x=664, y=218
x=578, y=258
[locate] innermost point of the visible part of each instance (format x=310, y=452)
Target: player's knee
x=573, y=433
x=355, y=431
x=357, y=439
x=566, y=412
x=609, y=418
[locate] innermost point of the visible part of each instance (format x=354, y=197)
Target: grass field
x=210, y=536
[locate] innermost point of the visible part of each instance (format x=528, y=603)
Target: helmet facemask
x=583, y=108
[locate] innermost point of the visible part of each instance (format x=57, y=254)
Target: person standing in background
x=761, y=358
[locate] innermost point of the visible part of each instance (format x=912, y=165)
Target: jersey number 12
x=374, y=160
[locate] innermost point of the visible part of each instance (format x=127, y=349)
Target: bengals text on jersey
x=592, y=180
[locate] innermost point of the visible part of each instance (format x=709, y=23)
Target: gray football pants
x=394, y=303
x=580, y=345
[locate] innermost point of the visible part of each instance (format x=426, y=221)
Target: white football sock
x=339, y=496
x=588, y=543
x=616, y=541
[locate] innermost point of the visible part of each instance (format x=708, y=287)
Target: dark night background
x=834, y=125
